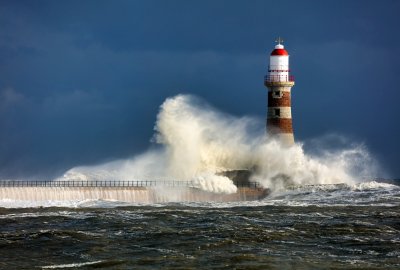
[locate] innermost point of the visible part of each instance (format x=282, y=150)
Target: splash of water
x=198, y=142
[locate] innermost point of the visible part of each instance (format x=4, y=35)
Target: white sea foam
x=214, y=183
x=71, y=265
x=198, y=142
x=28, y=203
x=84, y=203
x=373, y=185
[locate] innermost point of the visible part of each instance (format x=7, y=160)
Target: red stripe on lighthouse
x=279, y=125
x=283, y=101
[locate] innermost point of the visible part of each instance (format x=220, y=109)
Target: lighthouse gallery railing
x=279, y=78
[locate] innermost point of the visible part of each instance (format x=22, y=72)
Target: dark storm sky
x=81, y=81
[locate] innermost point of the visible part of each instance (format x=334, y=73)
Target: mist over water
x=196, y=142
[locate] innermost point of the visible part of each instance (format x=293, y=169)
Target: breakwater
x=124, y=191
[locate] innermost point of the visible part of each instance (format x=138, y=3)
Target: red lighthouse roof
x=279, y=50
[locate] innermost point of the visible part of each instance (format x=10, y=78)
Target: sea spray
x=198, y=142
x=279, y=167
x=198, y=138
x=214, y=183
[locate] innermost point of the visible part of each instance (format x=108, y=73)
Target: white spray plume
x=199, y=142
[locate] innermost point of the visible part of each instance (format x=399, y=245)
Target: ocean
x=304, y=227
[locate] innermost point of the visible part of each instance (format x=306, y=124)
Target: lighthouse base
x=286, y=139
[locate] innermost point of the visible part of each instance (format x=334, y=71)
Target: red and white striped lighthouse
x=279, y=83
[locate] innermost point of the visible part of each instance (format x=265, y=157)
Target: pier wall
x=127, y=194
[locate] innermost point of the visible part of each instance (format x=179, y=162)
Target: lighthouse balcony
x=278, y=78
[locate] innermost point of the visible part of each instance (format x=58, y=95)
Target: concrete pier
x=120, y=191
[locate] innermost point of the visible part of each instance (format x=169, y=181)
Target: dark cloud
x=81, y=81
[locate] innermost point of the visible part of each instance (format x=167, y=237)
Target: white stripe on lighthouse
x=284, y=112
x=286, y=138
x=280, y=88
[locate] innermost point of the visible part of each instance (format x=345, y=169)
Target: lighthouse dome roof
x=279, y=50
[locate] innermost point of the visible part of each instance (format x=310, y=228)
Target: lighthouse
x=279, y=83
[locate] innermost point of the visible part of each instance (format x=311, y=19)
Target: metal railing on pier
x=110, y=183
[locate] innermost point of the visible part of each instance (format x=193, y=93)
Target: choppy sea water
x=311, y=227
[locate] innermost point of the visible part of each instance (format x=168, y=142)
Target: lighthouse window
x=277, y=94
x=277, y=112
